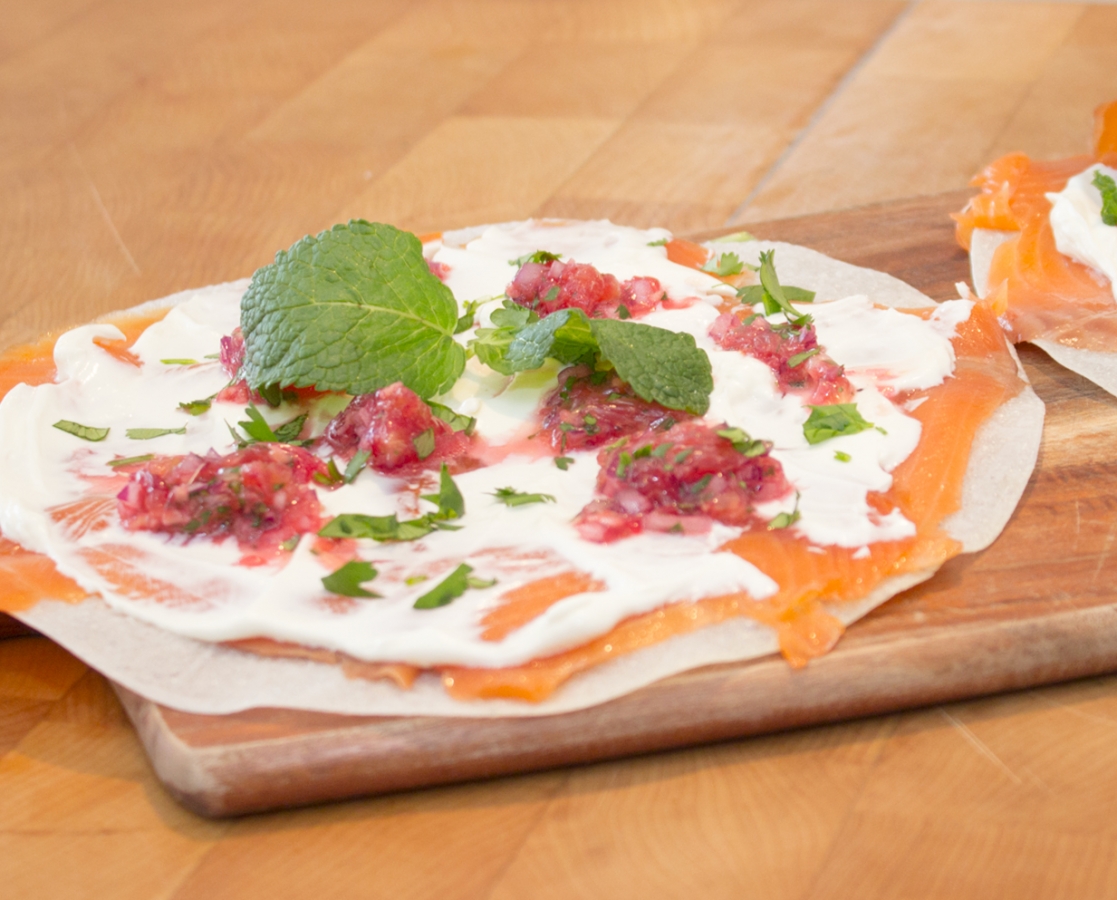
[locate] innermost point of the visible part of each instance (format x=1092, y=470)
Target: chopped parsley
x=1108, y=189
x=451, y=587
x=197, y=407
x=85, y=432
x=774, y=296
x=724, y=265
x=146, y=434
x=348, y=579
x=832, y=421
x=511, y=497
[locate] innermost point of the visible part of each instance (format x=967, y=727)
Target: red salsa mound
x=547, y=287
x=678, y=480
x=590, y=409
x=792, y=353
x=262, y=495
x=397, y=429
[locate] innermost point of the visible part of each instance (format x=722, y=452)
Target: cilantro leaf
x=831, y=421
x=348, y=579
x=85, y=432
x=197, y=407
x=423, y=443
x=724, y=265
x=146, y=434
x=1108, y=188
x=511, y=497
x=352, y=309
x=449, y=589
x=799, y=358
x=563, y=462
x=661, y=366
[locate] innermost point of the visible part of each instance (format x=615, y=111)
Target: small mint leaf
x=511, y=497
x=664, y=367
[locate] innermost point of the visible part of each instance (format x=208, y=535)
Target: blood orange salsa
x=503, y=457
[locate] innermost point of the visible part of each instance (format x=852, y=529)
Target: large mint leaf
x=663, y=366
x=353, y=309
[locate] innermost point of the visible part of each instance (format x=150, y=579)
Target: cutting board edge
x=368, y=757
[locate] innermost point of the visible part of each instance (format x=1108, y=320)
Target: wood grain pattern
x=1036, y=608
x=195, y=139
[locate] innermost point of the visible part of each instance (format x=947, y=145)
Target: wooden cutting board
x=1036, y=607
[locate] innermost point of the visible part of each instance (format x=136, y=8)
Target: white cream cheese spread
x=207, y=594
x=1079, y=230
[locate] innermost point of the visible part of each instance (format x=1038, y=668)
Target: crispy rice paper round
x=211, y=678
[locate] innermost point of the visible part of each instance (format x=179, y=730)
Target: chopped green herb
x=539, y=256
x=742, y=442
x=451, y=504
x=677, y=528
x=662, y=242
x=775, y=297
x=1108, y=188
x=353, y=469
x=725, y=265
x=332, y=477
x=415, y=579
x=85, y=432
x=446, y=591
x=455, y=420
x=179, y=362
x=291, y=543
x=272, y=394
x=511, y=497
x=800, y=358
x=737, y=237
x=563, y=462
x=479, y=584
x=842, y=456
x=624, y=460
x=348, y=579
x=622, y=312
x=378, y=528
x=424, y=443
x=831, y=421
x=465, y=320
x=146, y=434
x=130, y=460
x=352, y=309
x=197, y=407
x=259, y=431
x=784, y=519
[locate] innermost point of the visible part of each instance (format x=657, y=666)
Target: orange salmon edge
x=687, y=253
x=1105, y=128
x=429, y=236
x=118, y=349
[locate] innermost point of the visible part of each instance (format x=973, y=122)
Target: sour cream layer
x=211, y=596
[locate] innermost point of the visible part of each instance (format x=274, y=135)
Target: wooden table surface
x=152, y=146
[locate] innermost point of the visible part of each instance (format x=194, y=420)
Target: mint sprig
x=661, y=366
x=353, y=309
